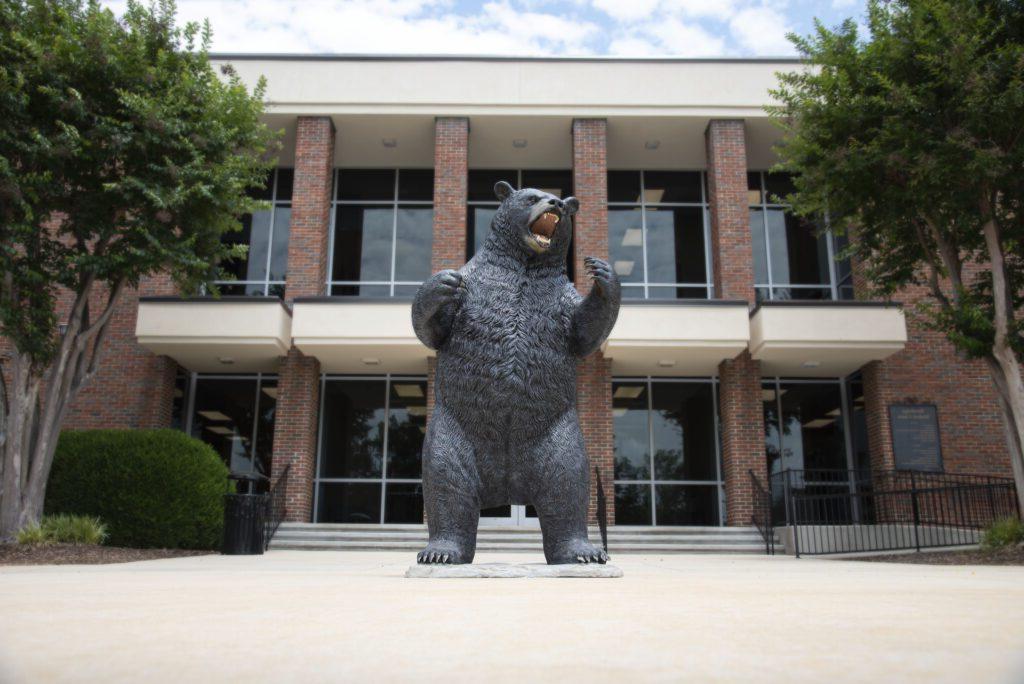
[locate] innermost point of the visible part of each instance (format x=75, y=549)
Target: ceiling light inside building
x=270, y=392
x=654, y=195
x=819, y=423
x=389, y=142
x=417, y=410
x=633, y=237
x=519, y=142
x=408, y=390
x=628, y=391
x=213, y=415
x=221, y=430
x=652, y=144
x=371, y=361
x=624, y=268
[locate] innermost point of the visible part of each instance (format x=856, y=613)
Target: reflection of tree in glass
x=361, y=442
x=405, y=445
x=632, y=504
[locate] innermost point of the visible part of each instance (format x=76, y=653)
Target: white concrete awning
x=353, y=335
x=207, y=335
x=677, y=338
x=824, y=339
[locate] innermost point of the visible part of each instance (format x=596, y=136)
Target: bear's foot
x=577, y=551
x=442, y=552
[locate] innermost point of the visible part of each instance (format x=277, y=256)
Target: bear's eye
x=532, y=199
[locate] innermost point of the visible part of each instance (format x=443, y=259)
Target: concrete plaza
x=293, y=616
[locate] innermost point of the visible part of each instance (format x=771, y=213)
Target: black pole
x=602, y=512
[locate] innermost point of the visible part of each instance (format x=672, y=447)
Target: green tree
x=123, y=155
x=912, y=139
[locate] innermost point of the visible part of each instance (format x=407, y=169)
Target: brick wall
x=451, y=159
x=594, y=383
x=739, y=395
x=298, y=394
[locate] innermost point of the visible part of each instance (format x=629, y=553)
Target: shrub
x=154, y=488
x=64, y=529
x=1002, y=533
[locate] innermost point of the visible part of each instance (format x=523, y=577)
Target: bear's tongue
x=545, y=224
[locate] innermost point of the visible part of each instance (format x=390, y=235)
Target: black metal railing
x=761, y=517
x=836, y=511
x=276, y=501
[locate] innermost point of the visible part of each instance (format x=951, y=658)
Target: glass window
x=264, y=268
x=371, y=448
x=793, y=258
x=235, y=415
x=179, y=401
x=665, y=452
x=804, y=425
x=657, y=234
x=383, y=232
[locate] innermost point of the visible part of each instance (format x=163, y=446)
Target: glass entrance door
x=515, y=516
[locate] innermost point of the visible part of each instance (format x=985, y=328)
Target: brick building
x=743, y=344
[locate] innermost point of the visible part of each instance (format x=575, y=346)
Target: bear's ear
x=572, y=205
x=503, y=190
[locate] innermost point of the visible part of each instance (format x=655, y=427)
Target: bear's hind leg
x=450, y=493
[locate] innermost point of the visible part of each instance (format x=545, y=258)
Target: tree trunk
x=1011, y=429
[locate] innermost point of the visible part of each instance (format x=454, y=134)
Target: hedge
x=152, y=488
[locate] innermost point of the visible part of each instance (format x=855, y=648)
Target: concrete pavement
x=351, y=616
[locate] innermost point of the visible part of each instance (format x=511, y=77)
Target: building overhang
x=819, y=339
x=359, y=335
x=677, y=337
x=208, y=335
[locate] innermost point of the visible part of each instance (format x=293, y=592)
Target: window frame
x=833, y=286
x=652, y=481
x=709, y=284
x=383, y=480
x=395, y=204
x=267, y=283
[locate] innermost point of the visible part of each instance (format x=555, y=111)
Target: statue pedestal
x=506, y=570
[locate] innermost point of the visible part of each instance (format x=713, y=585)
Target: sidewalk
x=337, y=616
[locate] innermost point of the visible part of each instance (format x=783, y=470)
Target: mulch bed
x=1009, y=556
x=73, y=554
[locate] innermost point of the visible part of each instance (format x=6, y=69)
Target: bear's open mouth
x=543, y=227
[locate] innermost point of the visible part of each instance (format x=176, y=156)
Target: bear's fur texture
x=509, y=328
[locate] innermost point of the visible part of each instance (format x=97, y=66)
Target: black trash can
x=245, y=517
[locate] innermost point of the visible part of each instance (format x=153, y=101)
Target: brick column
x=594, y=381
x=298, y=386
x=739, y=393
x=451, y=188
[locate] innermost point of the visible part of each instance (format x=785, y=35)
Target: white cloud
x=761, y=31
x=627, y=10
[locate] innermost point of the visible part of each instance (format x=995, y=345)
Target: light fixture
x=810, y=364
x=417, y=410
x=407, y=391
x=834, y=413
x=226, y=360
x=819, y=423
x=624, y=268
x=519, y=142
x=221, y=430
x=371, y=361
x=652, y=144
x=628, y=391
x=389, y=142
x=270, y=392
x=213, y=415
x=666, y=363
x=633, y=237
x=653, y=195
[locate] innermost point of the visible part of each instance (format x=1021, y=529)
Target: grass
x=65, y=529
x=1003, y=533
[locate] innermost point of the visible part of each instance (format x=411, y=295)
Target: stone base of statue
x=507, y=570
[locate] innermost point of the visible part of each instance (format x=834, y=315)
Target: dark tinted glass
x=267, y=407
x=366, y=184
x=754, y=187
x=348, y=503
x=478, y=225
x=665, y=292
x=624, y=186
x=757, y=229
x=279, y=242
x=683, y=431
x=633, y=504
x=686, y=504
x=625, y=244
x=858, y=424
x=675, y=245
x=353, y=427
x=222, y=417
x=634, y=291
x=558, y=183
x=179, y=399
x=362, y=242
x=361, y=290
x=407, y=423
x=266, y=191
x=416, y=185
x=403, y=503
x=777, y=187
x=414, y=237
x=630, y=427
x=672, y=186
x=255, y=233
x=798, y=255
x=482, y=182
x=285, y=181
x=811, y=427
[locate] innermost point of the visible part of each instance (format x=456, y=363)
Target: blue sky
x=633, y=28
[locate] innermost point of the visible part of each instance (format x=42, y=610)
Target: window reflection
x=235, y=415
x=353, y=429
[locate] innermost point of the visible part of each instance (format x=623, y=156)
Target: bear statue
x=509, y=328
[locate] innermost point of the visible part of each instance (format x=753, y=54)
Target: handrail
x=276, y=506
x=761, y=515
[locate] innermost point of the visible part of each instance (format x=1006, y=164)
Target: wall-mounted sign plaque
x=915, y=437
